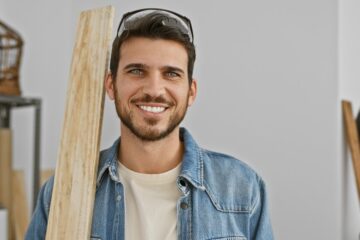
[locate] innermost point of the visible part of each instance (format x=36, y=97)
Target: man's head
x=151, y=74
x=154, y=24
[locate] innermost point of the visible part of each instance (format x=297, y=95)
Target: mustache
x=150, y=99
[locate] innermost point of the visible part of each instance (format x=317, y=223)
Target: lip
x=152, y=105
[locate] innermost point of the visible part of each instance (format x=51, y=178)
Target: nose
x=154, y=85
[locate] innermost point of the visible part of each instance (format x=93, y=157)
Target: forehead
x=153, y=52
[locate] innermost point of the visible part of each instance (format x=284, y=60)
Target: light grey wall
x=268, y=94
x=3, y=224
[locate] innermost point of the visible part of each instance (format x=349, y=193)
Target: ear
x=192, y=92
x=109, y=86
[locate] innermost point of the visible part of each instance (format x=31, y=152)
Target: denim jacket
x=222, y=198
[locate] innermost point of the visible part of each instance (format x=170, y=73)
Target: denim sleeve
x=260, y=224
x=38, y=224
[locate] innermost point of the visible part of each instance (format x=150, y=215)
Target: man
x=155, y=182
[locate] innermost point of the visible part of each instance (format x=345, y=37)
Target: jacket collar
x=192, y=164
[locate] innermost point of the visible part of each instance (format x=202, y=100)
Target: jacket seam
x=258, y=198
x=201, y=168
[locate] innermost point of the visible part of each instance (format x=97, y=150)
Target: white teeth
x=153, y=109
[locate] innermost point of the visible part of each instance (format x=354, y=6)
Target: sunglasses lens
x=133, y=19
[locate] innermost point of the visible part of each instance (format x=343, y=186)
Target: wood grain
x=75, y=176
x=352, y=140
x=5, y=174
x=20, y=207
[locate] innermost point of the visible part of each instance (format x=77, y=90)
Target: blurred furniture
x=12, y=183
x=10, y=58
x=352, y=134
x=7, y=103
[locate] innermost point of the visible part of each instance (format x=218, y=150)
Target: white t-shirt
x=150, y=204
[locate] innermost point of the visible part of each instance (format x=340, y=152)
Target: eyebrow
x=135, y=65
x=143, y=66
x=172, y=68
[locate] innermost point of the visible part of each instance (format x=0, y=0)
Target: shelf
x=7, y=103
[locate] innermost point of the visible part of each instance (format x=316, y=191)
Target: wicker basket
x=10, y=56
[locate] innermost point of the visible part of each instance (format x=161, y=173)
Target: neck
x=150, y=156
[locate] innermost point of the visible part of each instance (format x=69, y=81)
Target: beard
x=149, y=132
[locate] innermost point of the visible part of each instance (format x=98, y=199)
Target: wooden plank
x=20, y=208
x=45, y=175
x=5, y=173
x=353, y=140
x=75, y=175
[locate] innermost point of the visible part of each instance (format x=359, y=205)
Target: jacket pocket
x=228, y=238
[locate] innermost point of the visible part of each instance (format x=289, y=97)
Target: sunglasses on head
x=170, y=18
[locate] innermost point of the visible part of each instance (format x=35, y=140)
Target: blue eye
x=136, y=71
x=172, y=74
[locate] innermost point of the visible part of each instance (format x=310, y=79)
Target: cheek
x=126, y=91
x=181, y=96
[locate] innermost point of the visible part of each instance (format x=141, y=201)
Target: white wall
x=268, y=94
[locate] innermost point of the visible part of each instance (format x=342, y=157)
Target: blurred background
x=271, y=77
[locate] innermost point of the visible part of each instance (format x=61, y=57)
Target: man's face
x=151, y=90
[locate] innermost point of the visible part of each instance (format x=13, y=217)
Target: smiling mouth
x=152, y=109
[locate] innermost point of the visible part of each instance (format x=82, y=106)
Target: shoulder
x=42, y=208
x=38, y=224
x=46, y=193
x=231, y=183
x=223, y=164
